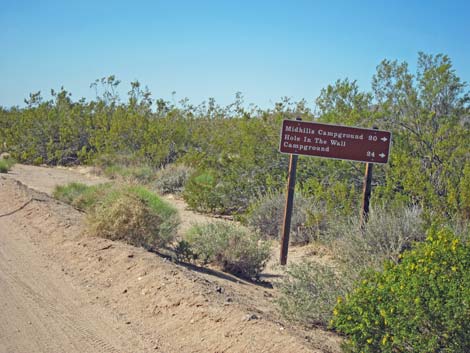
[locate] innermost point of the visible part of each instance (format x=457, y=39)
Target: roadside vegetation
x=420, y=304
x=128, y=213
x=6, y=163
x=225, y=160
x=235, y=249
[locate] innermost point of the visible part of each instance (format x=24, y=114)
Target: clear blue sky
x=200, y=49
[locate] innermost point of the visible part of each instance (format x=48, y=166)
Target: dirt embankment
x=62, y=291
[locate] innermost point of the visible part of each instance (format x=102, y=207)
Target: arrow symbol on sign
x=384, y=139
x=382, y=155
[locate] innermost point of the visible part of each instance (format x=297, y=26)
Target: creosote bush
x=202, y=194
x=172, y=178
x=232, y=247
x=420, y=305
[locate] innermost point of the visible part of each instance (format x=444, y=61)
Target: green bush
x=232, y=247
x=308, y=293
x=172, y=179
x=3, y=167
x=421, y=304
x=6, y=164
x=201, y=192
x=184, y=252
x=308, y=220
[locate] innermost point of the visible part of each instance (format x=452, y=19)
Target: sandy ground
x=63, y=291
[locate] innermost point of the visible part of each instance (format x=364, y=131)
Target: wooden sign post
x=330, y=141
x=366, y=192
x=289, y=206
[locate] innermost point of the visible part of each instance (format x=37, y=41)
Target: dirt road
x=41, y=310
x=63, y=291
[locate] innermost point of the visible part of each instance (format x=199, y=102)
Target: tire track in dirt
x=40, y=310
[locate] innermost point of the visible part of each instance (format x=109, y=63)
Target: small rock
x=251, y=317
x=229, y=300
x=130, y=256
x=124, y=291
x=128, y=322
x=219, y=290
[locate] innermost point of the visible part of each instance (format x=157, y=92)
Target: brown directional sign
x=335, y=141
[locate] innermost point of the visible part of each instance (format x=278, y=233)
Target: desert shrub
x=82, y=196
x=129, y=213
x=308, y=293
x=307, y=223
x=421, y=304
x=4, y=167
x=232, y=247
x=184, y=252
x=386, y=235
x=201, y=192
x=6, y=164
x=127, y=167
x=136, y=216
x=105, y=160
x=172, y=178
x=141, y=174
x=128, y=219
x=169, y=215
